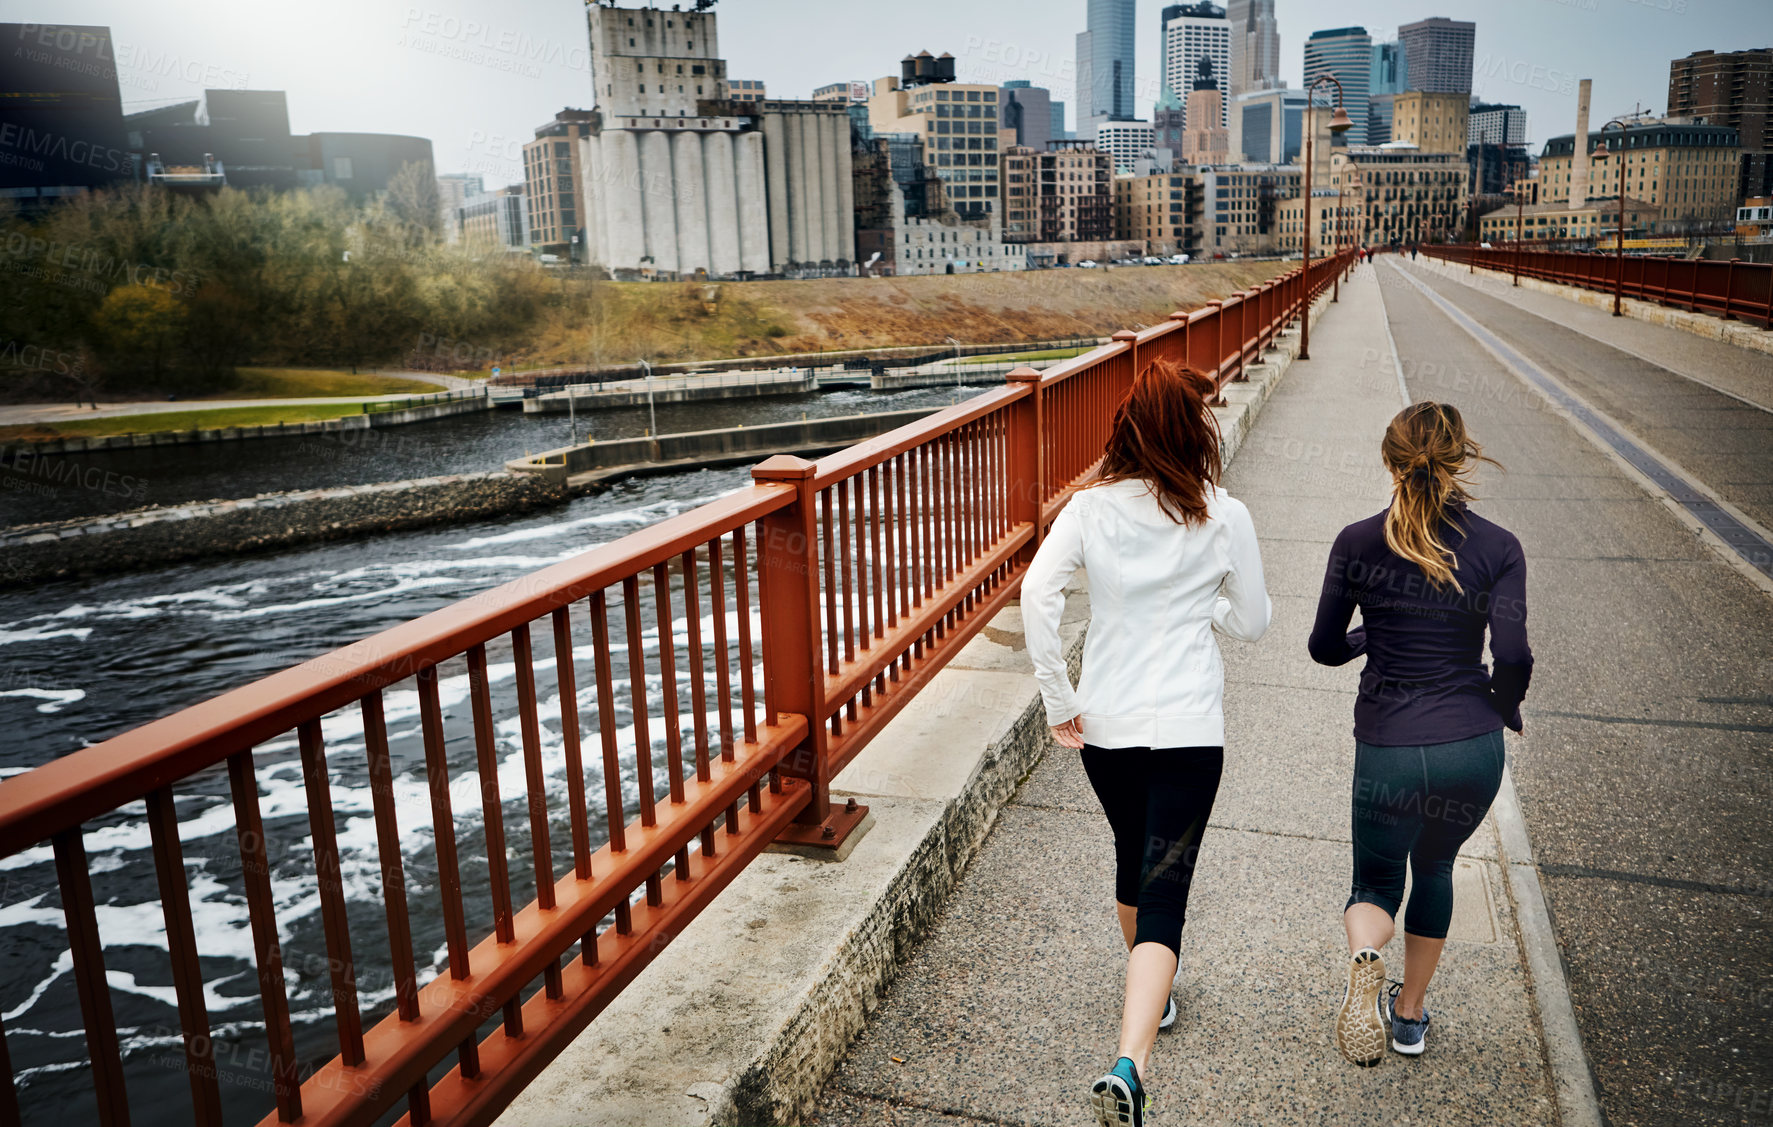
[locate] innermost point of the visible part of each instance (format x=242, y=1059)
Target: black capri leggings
x=1417, y=806
x=1157, y=801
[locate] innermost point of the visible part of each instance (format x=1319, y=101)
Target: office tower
x=1255, y=47
x=1105, y=65
x=1272, y=125
x=1169, y=125
x=1026, y=110
x=1347, y=54
x=1438, y=51
x=1497, y=124
x=1384, y=83
x=553, y=173
x=1734, y=88
x=1196, y=32
x=1125, y=142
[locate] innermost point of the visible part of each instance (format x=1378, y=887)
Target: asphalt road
x=1645, y=776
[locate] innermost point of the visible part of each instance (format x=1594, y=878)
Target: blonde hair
x=1430, y=457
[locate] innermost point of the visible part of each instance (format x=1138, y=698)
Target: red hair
x=1164, y=433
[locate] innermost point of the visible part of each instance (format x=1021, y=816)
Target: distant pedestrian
x=1170, y=558
x=1429, y=576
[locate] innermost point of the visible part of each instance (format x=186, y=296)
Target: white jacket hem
x=1154, y=730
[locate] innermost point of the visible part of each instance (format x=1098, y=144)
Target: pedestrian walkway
x=1012, y=1006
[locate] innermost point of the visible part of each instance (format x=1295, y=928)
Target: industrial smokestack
x=1579, y=158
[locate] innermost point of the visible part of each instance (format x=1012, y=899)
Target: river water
x=81, y=661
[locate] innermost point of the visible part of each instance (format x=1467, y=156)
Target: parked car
x=1151, y=260
x=1178, y=260
x=1088, y=264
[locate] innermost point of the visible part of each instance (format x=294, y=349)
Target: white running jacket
x=1152, y=673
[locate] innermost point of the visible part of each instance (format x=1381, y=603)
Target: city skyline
x=477, y=78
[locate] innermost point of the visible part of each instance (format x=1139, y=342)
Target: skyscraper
x=1438, y=51
x=1255, y=47
x=1105, y=65
x=1384, y=83
x=1027, y=109
x=1346, y=53
x=1196, y=32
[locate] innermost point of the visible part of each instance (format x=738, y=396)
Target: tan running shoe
x=1360, y=1023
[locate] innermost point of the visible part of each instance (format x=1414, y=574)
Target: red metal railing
x=869, y=570
x=1731, y=290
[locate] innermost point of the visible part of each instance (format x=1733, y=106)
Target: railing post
x=1132, y=341
x=1027, y=467
x=1729, y=288
x=794, y=677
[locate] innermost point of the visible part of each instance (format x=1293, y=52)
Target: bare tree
x=413, y=197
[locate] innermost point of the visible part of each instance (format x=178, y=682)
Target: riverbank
x=151, y=537
x=781, y=321
x=166, y=428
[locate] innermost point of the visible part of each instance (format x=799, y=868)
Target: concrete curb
x=746, y=1015
x=1739, y=333
x=1578, y=1104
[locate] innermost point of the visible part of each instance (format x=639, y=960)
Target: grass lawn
x=178, y=420
x=298, y=383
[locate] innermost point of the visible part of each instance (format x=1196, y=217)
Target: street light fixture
x=1340, y=123
x=1619, y=231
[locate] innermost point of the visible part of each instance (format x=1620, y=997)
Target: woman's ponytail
x=1429, y=455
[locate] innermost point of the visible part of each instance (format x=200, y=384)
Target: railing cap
x=1022, y=374
x=1124, y=334
x=783, y=467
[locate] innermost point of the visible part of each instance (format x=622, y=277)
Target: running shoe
x=1407, y=1037
x=1360, y=1022
x=1169, y=1017
x=1119, y=1098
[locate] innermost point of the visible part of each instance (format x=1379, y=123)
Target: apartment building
x=1690, y=173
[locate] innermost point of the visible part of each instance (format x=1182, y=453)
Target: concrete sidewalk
x=1011, y=1007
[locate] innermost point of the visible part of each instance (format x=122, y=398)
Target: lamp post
x=1619, y=231
x=1520, y=199
x=1340, y=123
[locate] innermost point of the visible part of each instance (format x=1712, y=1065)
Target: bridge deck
x=1642, y=777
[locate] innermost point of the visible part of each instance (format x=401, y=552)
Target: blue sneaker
x=1169, y=1017
x=1119, y=1098
x=1407, y=1037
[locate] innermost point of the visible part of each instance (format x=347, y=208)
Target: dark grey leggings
x=1157, y=801
x=1417, y=806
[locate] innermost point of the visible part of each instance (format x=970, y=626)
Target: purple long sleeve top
x=1425, y=681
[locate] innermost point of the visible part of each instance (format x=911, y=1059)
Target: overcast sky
x=477, y=76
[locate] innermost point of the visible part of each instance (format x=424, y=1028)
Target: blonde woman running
x=1429, y=576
